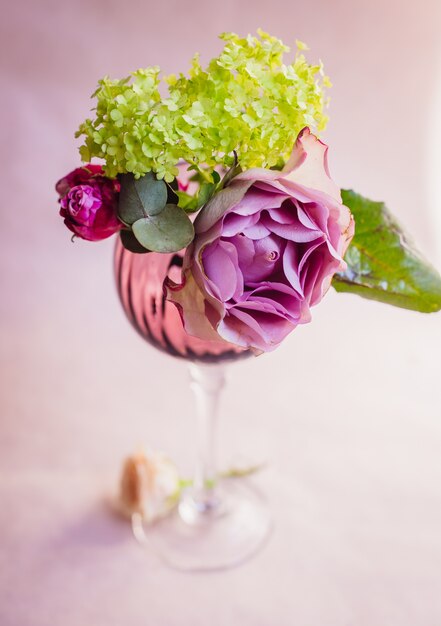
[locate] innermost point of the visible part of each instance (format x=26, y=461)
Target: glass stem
x=207, y=382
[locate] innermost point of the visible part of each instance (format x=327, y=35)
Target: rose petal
x=308, y=165
x=292, y=232
x=257, y=200
x=235, y=224
x=262, y=260
x=268, y=329
x=225, y=200
x=221, y=267
x=287, y=214
x=291, y=267
x=258, y=231
x=279, y=297
x=191, y=304
x=321, y=216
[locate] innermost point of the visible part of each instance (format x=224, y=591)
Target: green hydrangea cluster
x=247, y=101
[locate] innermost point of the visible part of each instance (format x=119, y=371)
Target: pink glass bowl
x=139, y=280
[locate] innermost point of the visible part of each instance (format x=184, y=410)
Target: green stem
x=234, y=472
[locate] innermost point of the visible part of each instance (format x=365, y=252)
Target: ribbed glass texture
x=139, y=280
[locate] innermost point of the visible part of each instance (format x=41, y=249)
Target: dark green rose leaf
x=172, y=188
x=141, y=198
x=383, y=264
x=130, y=242
x=193, y=203
x=234, y=170
x=206, y=190
x=169, y=231
x=187, y=202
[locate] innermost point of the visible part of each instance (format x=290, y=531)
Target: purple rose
x=265, y=251
x=89, y=202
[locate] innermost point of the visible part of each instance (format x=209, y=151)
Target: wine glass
x=218, y=523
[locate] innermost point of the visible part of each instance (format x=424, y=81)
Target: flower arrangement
x=229, y=167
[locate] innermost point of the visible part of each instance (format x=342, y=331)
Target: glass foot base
x=217, y=538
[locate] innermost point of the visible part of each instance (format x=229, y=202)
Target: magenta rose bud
x=265, y=251
x=89, y=202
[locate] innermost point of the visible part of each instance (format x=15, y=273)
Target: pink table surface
x=347, y=412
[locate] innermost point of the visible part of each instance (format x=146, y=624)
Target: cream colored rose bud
x=149, y=485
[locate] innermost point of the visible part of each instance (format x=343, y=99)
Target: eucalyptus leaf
x=169, y=231
x=130, y=242
x=383, y=264
x=141, y=197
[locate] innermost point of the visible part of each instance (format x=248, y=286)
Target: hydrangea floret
x=246, y=101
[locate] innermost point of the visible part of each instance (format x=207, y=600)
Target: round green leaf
x=140, y=198
x=169, y=231
x=130, y=242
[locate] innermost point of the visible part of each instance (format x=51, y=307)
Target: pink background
x=347, y=412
